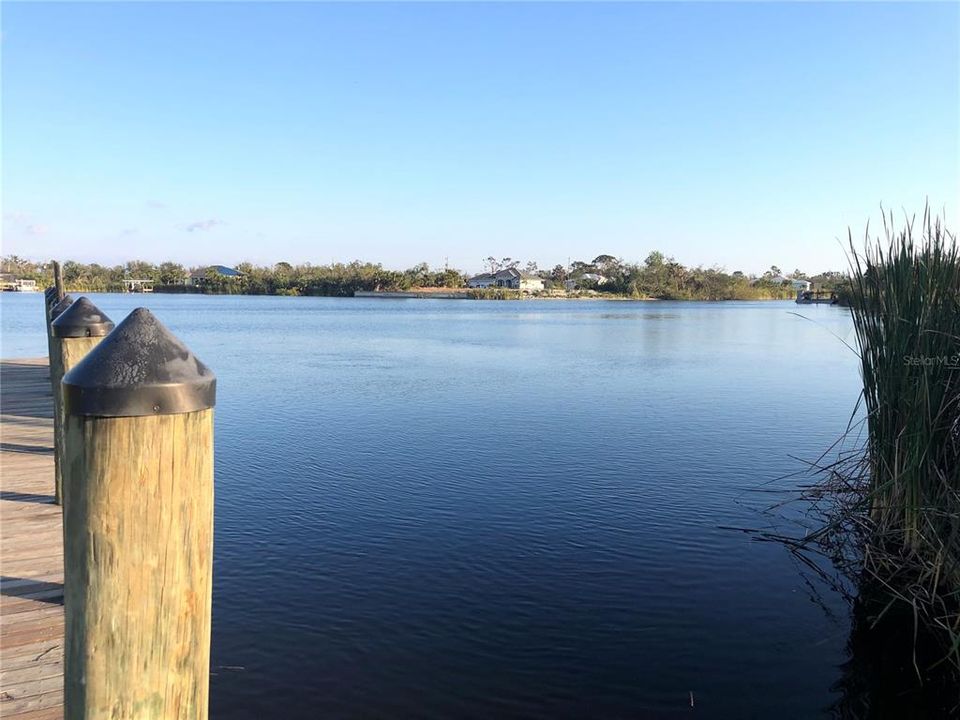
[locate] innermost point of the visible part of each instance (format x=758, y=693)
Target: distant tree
x=608, y=266
x=558, y=274
x=507, y=263
x=492, y=264
x=420, y=276
x=578, y=267
x=532, y=267
x=15, y=264
x=141, y=270
x=171, y=273
x=451, y=278
x=654, y=259
x=283, y=268
x=72, y=272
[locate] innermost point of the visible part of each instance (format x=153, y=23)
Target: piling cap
x=81, y=319
x=60, y=307
x=139, y=369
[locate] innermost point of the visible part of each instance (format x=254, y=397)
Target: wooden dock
x=31, y=548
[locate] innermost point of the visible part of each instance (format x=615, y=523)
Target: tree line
x=658, y=276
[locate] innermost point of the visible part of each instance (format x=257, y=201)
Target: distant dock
x=817, y=297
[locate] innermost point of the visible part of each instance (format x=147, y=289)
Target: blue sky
x=733, y=134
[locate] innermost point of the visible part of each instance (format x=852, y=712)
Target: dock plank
x=31, y=548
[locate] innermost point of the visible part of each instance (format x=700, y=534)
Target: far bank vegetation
x=657, y=277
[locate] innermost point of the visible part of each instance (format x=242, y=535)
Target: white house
x=796, y=284
x=594, y=277
x=576, y=284
x=9, y=283
x=508, y=278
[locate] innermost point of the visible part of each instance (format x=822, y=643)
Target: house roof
x=217, y=270
x=511, y=273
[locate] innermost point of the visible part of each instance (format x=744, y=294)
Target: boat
x=817, y=297
x=19, y=285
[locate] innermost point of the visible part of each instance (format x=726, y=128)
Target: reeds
x=904, y=298
x=886, y=510
x=905, y=303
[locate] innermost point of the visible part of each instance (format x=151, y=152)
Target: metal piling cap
x=139, y=369
x=49, y=299
x=61, y=306
x=81, y=319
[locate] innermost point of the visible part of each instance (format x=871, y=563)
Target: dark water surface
x=443, y=509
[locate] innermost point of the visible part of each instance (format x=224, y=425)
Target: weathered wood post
x=56, y=373
x=138, y=527
x=49, y=300
x=73, y=333
x=58, y=280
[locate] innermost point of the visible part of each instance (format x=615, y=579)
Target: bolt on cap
x=60, y=307
x=139, y=369
x=81, y=319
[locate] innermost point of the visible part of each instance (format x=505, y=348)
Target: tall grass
x=905, y=301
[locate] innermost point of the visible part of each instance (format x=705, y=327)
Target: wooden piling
x=56, y=373
x=58, y=280
x=138, y=527
x=73, y=333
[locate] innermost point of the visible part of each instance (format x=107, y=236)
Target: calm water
x=442, y=509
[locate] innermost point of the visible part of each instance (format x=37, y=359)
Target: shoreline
x=444, y=294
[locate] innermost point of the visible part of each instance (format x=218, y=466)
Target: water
x=463, y=509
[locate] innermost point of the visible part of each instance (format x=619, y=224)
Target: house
x=208, y=273
x=10, y=283
x=530, y=282
x=594, y=277
x=507, y=278
x=484, y=280
x=797, y=284
x=588, y=278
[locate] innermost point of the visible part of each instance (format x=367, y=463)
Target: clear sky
x=741, y=135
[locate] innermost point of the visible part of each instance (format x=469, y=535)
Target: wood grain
x=138, y=524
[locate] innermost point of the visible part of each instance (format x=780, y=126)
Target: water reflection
x=880, y=678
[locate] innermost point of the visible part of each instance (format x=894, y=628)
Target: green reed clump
x=494, y=293
x=904, y=296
